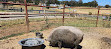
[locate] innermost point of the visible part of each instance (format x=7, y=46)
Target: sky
x=100, y=2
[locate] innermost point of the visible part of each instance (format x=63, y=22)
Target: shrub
x=32, y=9
x=90, y=13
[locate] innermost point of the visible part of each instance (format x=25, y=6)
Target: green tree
x=4, y=5
x=95, y=3
x=71, y=3
x=53, y=2
x=80, y=3
x=107, y=6
x=37, y=2
x=91, y=4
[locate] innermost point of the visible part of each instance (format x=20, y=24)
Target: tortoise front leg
x=75, y=47
x=60, y=44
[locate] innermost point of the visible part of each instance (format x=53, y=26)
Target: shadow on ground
x=78, y=47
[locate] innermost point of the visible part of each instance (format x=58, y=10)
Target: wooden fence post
x=97, y=17
x=63, y=14
x=26, y=17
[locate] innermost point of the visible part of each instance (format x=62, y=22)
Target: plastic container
x=31, y=43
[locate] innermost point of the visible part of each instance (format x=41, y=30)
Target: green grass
x=52, y=22
x=33, y=30
x=81, y=23
x=84, y=29
x=77, y=22
x=12, y=35
x=18, y=21
x=2, y=10
x=12, y=22
x=36, y=19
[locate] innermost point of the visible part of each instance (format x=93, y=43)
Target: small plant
x=32, y=9
x=107, y=25
x=90, y=13
x=33, y=30
x=33, y=26
x=47, y=7
x=41, y=30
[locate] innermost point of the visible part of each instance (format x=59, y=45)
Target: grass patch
x=82, y=23
x=33, y=30
x=36, y=19
x=76, y=22
x=2, y=10
x=12, y=22
x=12, y=35
x=54, y=23
x=18, y=21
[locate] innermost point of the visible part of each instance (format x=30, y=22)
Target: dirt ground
x=94, y=38
x=20, y=28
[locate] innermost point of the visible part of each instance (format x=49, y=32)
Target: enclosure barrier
x=26, y=12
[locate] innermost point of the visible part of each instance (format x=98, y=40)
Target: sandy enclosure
x=92, y=40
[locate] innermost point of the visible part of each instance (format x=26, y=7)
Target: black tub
x=32, y=43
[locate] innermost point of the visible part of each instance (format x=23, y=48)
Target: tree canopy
x=80, y=3
x=107, y=6
x=53, y=2
x=69, y=3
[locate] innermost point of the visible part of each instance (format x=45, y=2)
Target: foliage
x=107, y=6
x=37, y=2
x=80, y=3
x=32, y=9
x=52, y=2
x=70, y=3
x=91, y=4
x=48, y=4
x=90, y=13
